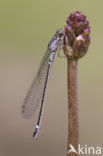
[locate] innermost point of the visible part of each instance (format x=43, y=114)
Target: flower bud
x=76, y=40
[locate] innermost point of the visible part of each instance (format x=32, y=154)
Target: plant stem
x=73, y=123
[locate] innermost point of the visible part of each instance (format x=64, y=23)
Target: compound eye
x=60, y=32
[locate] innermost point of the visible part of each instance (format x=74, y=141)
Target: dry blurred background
x=26, y=26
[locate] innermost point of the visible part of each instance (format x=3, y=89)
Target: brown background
x=25, y=28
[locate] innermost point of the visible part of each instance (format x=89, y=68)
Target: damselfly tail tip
x=77, y=35
x=34, y=135
x=36, y=131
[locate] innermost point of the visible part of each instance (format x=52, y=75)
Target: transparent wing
x=35, y=93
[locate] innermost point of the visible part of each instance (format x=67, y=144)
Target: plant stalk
x=73, y=122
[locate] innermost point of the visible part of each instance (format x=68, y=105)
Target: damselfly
x=36, y=93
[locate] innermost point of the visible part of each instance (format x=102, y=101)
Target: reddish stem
x=73, y=124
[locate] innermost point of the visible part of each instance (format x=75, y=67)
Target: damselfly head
x=60, y=32
x=56, y=41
